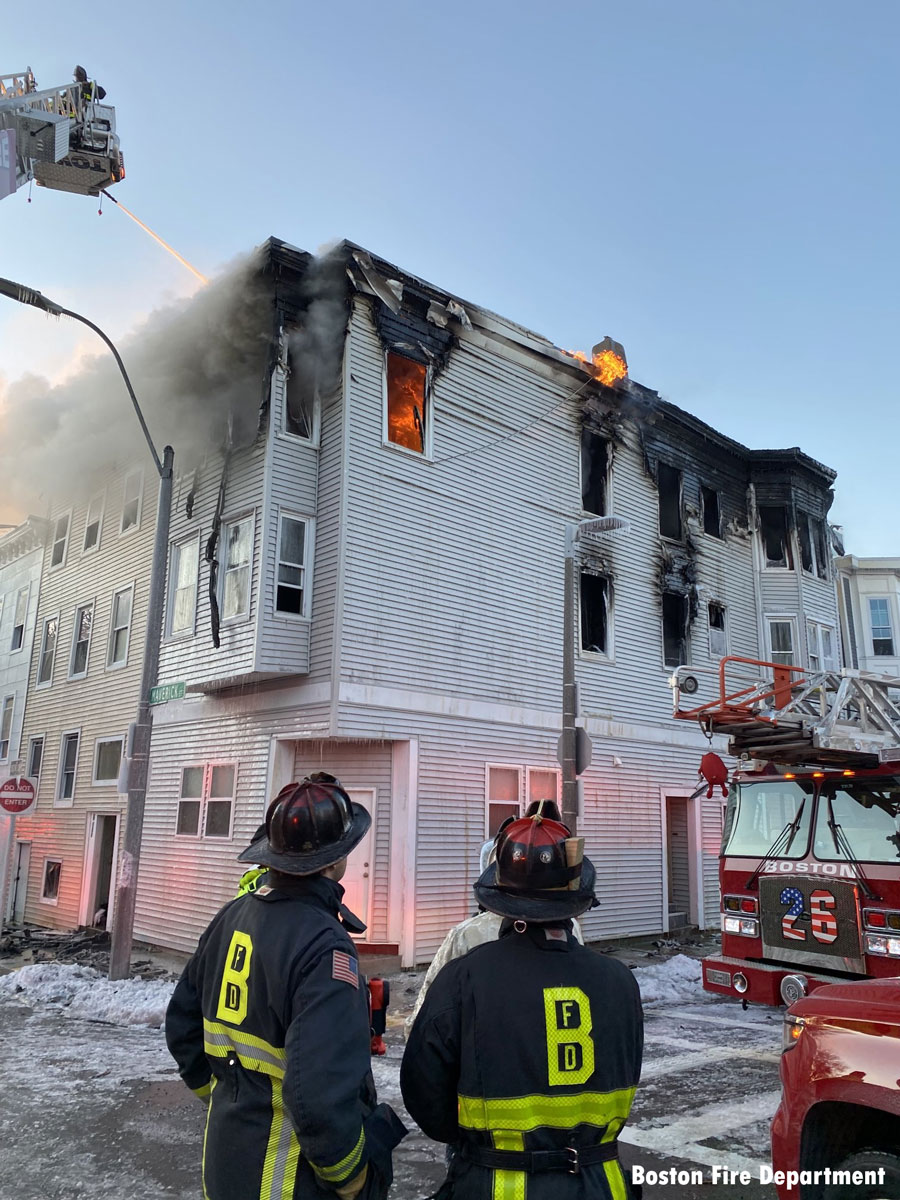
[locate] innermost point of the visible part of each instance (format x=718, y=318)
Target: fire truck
x=57, y=136
x=809, y=868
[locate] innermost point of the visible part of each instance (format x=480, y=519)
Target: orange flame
x=608, y=366
x=406, y=402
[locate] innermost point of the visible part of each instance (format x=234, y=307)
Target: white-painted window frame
x=890, y=625
x=520, y=783
x=118, y=665
x=308, y=524
x=175, y=550
x=85, y=549
x=710, y=629
x=7, y=706
x=137, y=473
x=59, y=800
x=55, y=540
x=72, y=674
x=609, y=654
x=427, y=451
x=244, y=615
x=106, y=741
x=206, y=797
x=36, y=737
x=816, y=629
x=48, y=682
x=52, y=900
x=788, y=619
x=26, y=591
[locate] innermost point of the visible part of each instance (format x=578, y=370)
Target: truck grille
x=814, y=921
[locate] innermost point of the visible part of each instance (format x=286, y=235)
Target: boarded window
x=6, y=716
x=675, y=615
x=712, y=520
x=594, y=613
x=717, y=642
x=594, y=472
x=300, y=398
x=18, y=633
x=81, y=641
x=291, y=569
x=406, y=412
x=773, y=529
x=92, y=524
x=781, y=641
x=503, y=784
x=882, y=633
x=668, y=480
x=60, y=541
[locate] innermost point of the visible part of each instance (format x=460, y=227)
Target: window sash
x=291, y=572
x=131, y=500
x=81, y=641
x=68, y=765
x=50, y=880
x=185, y=567
x=781, y=641
x=407, y=403
x=120, y=628
x=60, y=541
x=206, y=800
x=238, y=559
x=18, y=633
x=6, y=717
x=107, y=760
x=35, y=757
x=92, y=525
x=48, y=650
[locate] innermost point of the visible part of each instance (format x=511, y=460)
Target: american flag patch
x=344, y=966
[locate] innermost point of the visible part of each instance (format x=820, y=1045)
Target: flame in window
x=406, y=402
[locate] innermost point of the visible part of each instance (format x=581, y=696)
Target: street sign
x=167, y=691
x=17, y=795
x=583, y=750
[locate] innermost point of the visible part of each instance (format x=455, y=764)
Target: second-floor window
x=238, y=538
x=407, y=415
x=882, y=632
x=594, y=613
x=775, y=535
x=290, y=584
x=781, y=641
x=676, y=612
x=206, y=800
x=6, y=716
x=48, y=650
x=35, y=757
x=81, y=641
x=60, y=540
x=107, y=760
x=594, y=472
x=68, y=764
x=718, y=646
x=92, y=523
x=668, y=480
x=183, y=576
x=119, y=628
x=820, y=646
x=131, y=500
x=21, y=610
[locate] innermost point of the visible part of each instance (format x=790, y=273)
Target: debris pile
x=84, y=947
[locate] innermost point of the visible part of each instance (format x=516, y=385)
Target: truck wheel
x=868, y=1160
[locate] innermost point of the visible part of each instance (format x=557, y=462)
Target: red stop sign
x=16, y=795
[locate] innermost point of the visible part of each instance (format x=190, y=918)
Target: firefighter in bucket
x=527, y=1051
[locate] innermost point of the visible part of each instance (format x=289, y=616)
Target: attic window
x=406, y=411
x=668, y=480
x=300, y=400
x=594, y=613
x=773, y=529
x=813, y=545
x=594, y=472
x=675, y=615
x=712, y=521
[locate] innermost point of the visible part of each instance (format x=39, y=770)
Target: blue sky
x=713, y=184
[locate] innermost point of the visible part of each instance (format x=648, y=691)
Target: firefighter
x=269, y=1021
x=527, y=1051
x=253, y=877
x=89, y=90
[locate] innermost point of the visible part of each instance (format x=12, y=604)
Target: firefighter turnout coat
x=270, y=1019
x=529, y=1043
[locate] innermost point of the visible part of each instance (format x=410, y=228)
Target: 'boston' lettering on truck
x=809, y=867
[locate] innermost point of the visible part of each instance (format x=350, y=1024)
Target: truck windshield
x=868, y=813
x=758, y=812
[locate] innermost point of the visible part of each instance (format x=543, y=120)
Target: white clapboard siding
x=21, y=554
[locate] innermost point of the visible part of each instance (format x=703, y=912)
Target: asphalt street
x=94, y=1110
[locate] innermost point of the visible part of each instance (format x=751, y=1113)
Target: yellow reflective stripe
x=616, y=1180
x=346, y=1167
x=508, y=1185
x=522, y=1113
x=282, y=1153
x=204, y=1091
x=254, y=1053
x=212, y=1085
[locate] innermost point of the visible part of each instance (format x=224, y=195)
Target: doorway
x=99, y=863
x=20, y=883
x=357, y=881
x=678, y=863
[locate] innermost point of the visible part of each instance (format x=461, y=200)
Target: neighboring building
x=83, y=694
x=21, y=551
x=869, y=599
x=370, y=582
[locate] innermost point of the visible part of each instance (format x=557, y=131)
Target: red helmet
x=531, y=855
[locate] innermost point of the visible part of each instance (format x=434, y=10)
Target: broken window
x=92, y=524
x=773, y=529
x=820, y=546
x=717, y=641
x=781, y=641
x=290, y=584
x=131, y=501
x=668, y=480
x=712, y=521
x=594, y=613
x=675, y=615
x=50, y=883
x=300, y=398
x=594, y=472
x=60, y=541
x=406, y=412
x=882, y=633
x=21, y=609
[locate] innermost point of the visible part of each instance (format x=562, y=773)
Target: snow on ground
x=675, y=981
x=84, y=992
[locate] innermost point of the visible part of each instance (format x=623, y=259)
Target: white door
x=99, y=870
x=20, y=882
x=357, y=881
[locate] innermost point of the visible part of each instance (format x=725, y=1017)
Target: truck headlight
x=745, y=926
x=877, y=943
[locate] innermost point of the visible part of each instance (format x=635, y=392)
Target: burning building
x=366, y=576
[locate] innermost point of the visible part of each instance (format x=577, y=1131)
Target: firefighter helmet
x=309, y=826
x=540, y=873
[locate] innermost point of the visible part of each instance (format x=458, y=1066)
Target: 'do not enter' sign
x=16, y=796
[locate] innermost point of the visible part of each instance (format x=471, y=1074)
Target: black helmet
x=79, y=75
x=309, y=826
x=540, y=873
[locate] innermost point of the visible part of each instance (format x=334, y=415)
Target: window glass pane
x=188, y=817
x=503, y=784
x=222, y=781
x=192, y=781
x=218, y=818
x=781, y=634
x=132, y=500
x=542, y=785
x=238, y=549
x=122, y=614
x=763, y=810
x=109, y=758
x=18, y=633
x=292, y=533
x=186, y=562
x=52, y=871
x=238, y=539
x=6, y=715
x=869, y=817
x=48, y=650
x=406, y=402
x=60, y=537
x=237, y=591
x=497, y=814
x=35, y=757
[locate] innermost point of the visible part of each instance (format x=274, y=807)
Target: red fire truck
x=810, y=862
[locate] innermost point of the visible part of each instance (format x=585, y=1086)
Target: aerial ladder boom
x=784, y=714
x=60, y=138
